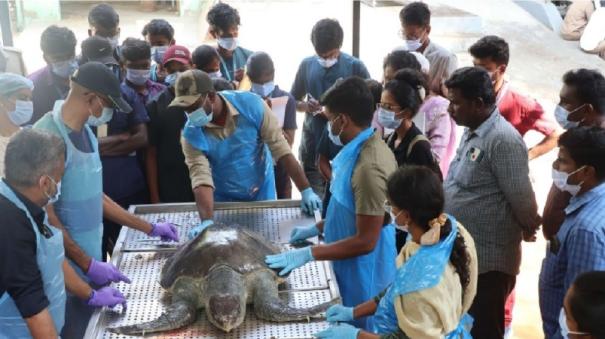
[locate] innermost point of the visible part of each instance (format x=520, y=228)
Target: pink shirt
x=440, y=129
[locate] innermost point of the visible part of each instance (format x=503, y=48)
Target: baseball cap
x=98, y=78
x=177, y=53
x=190, y=86
x=97, y=48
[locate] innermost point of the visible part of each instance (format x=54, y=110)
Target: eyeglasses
x=386, y=106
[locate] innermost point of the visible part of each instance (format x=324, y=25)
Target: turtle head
x=226, y=296
x=226, y=311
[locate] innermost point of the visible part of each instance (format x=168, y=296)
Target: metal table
x=141, y=259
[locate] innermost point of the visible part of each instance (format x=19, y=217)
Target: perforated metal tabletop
x=141, y=259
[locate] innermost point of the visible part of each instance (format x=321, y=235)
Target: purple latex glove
x=165, y=230
x=106, y=296
x=102, y=273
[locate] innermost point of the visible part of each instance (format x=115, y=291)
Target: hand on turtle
x=310, y=201
x=102, y=273
x=337, y=313
x=165, y=230
x=302, y=233
x=290, y=260
x=199, y=228
x=340, y=331
x=106, y=296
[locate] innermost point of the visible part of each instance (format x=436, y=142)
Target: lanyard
x=227, y=69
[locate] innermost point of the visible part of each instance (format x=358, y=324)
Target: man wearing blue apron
x=33, y=271
x=230, y=141
x=361, y=246
x=94, y=94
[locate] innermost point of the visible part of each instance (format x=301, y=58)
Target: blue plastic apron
x=49, y=256
x=80, y=209
x=242, y=166
x=423, y=270
x=363, y=277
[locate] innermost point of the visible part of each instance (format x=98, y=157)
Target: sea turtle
x=222, y=270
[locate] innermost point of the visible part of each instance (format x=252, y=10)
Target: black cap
x=98, y=78
x=97, y=48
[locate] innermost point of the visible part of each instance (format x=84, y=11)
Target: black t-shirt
x=420, y=154
x=20, y=276
x=165, y=126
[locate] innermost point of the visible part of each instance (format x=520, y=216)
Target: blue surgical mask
x=170, y=79
x=106, y=115
x=413, y=45
x=335, y=138
x=64, y=69
x=229, y=44
x=23, y=112
x=264, y=90
x=327, y=63
x=561, y=115
x=387, y=119
x=199, y=117
x=157, y=53
x=54, y=198
x=137, y=76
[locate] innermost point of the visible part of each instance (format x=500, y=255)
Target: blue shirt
x=238, y=60
x=312, y=78
x=123, y=175
x=580, y=247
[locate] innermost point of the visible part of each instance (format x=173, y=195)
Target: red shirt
x=524, y=113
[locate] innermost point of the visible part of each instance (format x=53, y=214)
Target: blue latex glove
x=340, y=331
x=165, y=230
x=106, y=296
x=339, y=313
x=199, y=228
x=102, y=273
x=290, y=260
x=310, y=201
x=301, y=233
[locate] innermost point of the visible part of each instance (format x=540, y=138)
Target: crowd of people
x=424, y=235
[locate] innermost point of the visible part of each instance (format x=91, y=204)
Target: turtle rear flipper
x=268, y=305
x=178, y=314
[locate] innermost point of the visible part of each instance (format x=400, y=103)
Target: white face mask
x=106, y=115
x=215, y=75
x=404, y=228
x=157, y=53
x=229, y=44
x=64, y=69
x=137, y=76
x=54, y=198
x=560, y=178
x=335, y=138
x=327, y=63
x=561, y=115
x=565, y=332
x=114, y=41
x=413, y=45
x=23, y=112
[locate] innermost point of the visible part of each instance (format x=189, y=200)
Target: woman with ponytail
x=436, y=280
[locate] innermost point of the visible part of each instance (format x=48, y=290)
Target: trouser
x=283, y=184
x=77, y=316
x=488, y=307
x=318, y=184
x=111, y=230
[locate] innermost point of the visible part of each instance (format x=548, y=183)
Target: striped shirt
x=488, y=190
x=579, y=247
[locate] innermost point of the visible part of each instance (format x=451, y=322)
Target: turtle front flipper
x=268, y=305
x=180, y=313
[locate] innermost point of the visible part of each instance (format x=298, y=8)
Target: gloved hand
x=290, y=260
x=339, y=313
x=165, y=230
x=102, y=273
x=199, y=228
x=106, y=296
x=340, y=331
x=299, y=234
x=310, y=201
